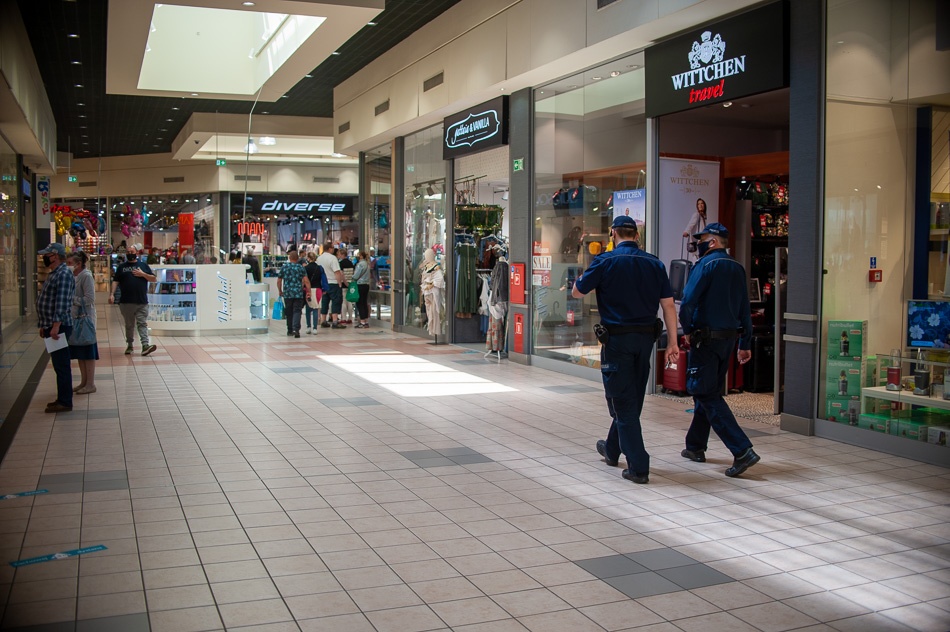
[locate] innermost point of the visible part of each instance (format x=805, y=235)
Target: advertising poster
x=44, y=212
x=686, y=187
x=633, y=203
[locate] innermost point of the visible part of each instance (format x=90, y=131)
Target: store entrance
x=728, y=163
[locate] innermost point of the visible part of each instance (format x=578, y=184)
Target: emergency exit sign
x=221, y=162
x=73, y=178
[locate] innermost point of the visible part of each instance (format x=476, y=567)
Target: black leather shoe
x=602, y=451
x=636, y=478
x=694, y=455
x=742, y=463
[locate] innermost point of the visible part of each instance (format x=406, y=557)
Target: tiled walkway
x=367, y=481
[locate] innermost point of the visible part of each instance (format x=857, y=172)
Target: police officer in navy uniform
x=631, y=287
x=714, y=309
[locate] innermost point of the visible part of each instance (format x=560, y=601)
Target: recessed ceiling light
x=839, y=42
x=284, y=96
x=248, y=4
x=78, y=85
x=336, y=155
x=194, y=94
x=336, y=52
x=169, y=120
x=615, y=73
x=596, y=78
x=82, y=116
x=267, y=141
x=163, y=129
x=727, y=104
x=371, y=24
x=309, y=76
x=80, y=104
x=76, y=62
x=73, y=35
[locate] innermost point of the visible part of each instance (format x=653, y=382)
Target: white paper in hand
x=55, y=345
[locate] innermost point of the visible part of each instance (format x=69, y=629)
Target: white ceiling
x=222, y=49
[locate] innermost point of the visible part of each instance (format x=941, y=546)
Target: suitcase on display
x=679, y=273
x=760, y=370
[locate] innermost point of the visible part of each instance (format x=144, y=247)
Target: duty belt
x=723, y=334
x=616, y=330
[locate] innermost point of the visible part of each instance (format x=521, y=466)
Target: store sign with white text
x=738, y=57
x=283, y=204
x=483, y=127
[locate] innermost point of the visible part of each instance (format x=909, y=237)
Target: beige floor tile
x=412, y=619
x=43, y=590
x=773, y=617
x=191, y=620
x=678, y=605
x=325, y=604
x=111, y=605
x=348, y=622
x=254, y=613
x=528, y=602
x=40, y=612
x=731, y=596
x=178, y=597
x=176, y=576
x=450, y=589
x=424, y=570
x=307, y=584
x=466, y=611
x=717, y=621
x=567, y=620
x=384, y=597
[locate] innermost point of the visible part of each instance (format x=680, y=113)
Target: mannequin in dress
x=433, y=291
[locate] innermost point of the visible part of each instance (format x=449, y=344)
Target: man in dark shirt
x=132, y=278
x=632, y=285
x=715, y=307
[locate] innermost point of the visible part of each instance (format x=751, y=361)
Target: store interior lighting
x=251, y=147
x=267, y=141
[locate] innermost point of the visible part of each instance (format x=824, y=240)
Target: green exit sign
x=73, y=178
x=517, y=164
x=221, y=162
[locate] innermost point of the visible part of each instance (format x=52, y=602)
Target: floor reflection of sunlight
x=410, y=376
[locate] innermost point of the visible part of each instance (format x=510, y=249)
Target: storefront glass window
x=590, y=155
x=9, y=230
x=425, y=219
x=156, y=222
x=377, y=226
x=882, y=68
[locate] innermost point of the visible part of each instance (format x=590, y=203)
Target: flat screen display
x=928, y=324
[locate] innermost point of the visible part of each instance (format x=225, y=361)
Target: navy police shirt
x=717, y=296
x=629, y=284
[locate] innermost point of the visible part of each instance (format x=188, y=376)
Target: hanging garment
x=433, y=293
x=499, y=282
x=466, y=292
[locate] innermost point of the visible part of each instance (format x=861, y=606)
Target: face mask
x=131, y=257
x=72, y=269
x=47, y=260
x=703, y=247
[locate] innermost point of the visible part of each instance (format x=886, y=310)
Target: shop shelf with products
x=172, y=297
x=908, y=398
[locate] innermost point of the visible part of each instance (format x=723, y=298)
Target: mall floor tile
x=370, y=481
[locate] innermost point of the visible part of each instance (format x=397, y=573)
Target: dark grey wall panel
x=520, y=205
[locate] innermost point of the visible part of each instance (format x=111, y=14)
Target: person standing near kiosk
x=715, y=308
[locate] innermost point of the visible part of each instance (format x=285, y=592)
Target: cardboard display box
x=847, y=339
x=845, y=378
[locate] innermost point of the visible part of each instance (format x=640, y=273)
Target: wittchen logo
x=691, y=175
x=708, y=66
x=474, y=129
x=689, y=171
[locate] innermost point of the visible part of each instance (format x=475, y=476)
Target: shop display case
x=939, y=249
x=206, y=300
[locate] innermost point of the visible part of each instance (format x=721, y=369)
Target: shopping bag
x=313, y=300
x=352, y=293
x=278, y=310
x=84, y=329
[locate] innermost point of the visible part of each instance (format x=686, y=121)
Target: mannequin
x=498, y=303
x=433, y=291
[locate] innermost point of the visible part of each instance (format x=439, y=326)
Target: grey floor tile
x=63, y=488
x=658, y=559
x=434, y=462
x=695, y=576
x=111, y=475
x=755, y=433
x=124, y=623
x=420, y=454
x=570, y=388
x=470, y=459
x=642, y=585
x=453, y=451
x=363, y=401
x=611, y=566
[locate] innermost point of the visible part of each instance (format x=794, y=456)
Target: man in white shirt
x=332, y=302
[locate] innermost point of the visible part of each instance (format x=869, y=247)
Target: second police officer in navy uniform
x=631, y=287
x=715, y=308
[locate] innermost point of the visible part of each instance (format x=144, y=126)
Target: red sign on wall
x=519, y=333
x=186, y=230
x=516, y=284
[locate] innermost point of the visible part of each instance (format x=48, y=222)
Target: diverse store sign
x=282, y=204
x=44, y=212
x=479, y=128
x=738, y=57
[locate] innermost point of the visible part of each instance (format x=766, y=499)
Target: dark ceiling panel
x=92, y=123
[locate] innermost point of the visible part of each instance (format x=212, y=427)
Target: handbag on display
x=278, y=313
x=84, y=330
x=352, y=293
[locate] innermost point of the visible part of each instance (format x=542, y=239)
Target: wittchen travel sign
x=483, y=127
x=738, y=57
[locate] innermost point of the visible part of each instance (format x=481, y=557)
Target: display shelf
x=905, y=397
